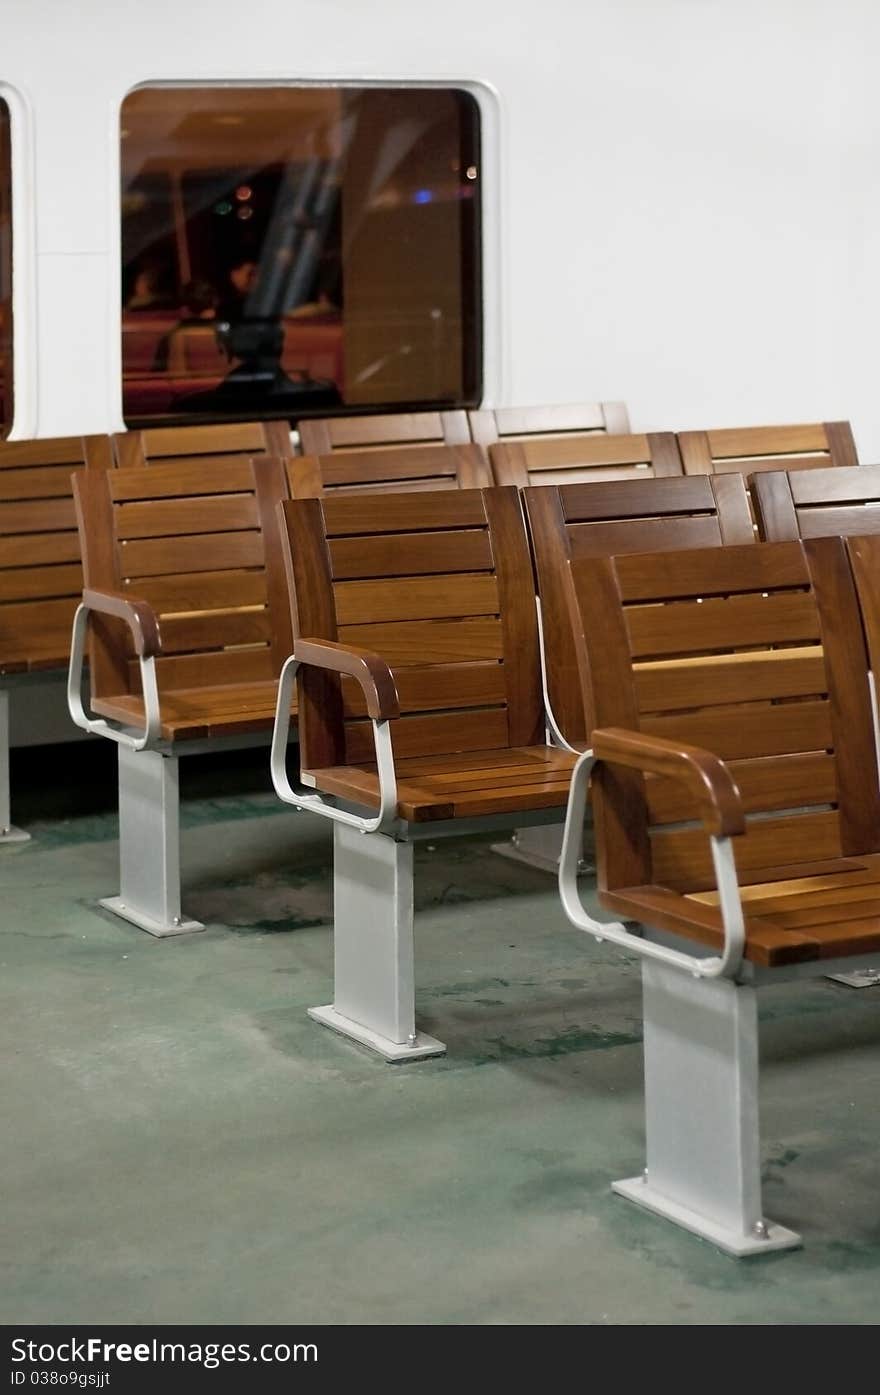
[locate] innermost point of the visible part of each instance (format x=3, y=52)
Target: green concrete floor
x=182, y=1144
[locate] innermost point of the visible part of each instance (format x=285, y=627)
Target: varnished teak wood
x=190, y=542
x=438, y=589
x=789, y=717
x=40, y=572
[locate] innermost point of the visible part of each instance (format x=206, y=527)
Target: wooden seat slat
x=40, y=583
x=406, y=554
x=442, y=641
x=417, y=598
x=760, y=730
x=435, y=688
x=721, y=623
x=214, y=444
x=324, y=434
x=196, y=552
x=43, y=516
x=409, y=468
x=765, y=784
x=37, y=550
x=177, y=517
x=489, y=425
x=187, y=481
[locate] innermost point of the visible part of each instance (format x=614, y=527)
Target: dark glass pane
x=292, y=250
x=5, y=271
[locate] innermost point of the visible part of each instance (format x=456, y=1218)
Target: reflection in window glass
x=5, y=271
x=292, y=250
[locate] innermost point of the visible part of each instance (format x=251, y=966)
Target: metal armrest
x=144, y=626
x=719, y=805
x=379, y=689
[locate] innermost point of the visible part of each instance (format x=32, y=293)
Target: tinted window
x=288, y=250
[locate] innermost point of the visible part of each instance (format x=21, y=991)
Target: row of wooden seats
x=194, y=539
x=743, y=652
x=40, y=578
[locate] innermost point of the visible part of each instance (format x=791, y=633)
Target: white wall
x=688, y=188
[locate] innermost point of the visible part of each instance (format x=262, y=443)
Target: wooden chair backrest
x=440, y=585
x=410, y=467
x=192, y=540
x=750, y=449
x=756, y=654
x=320, y=435
x=491, y=424
x=172, y=445
x=577, y=459
x=817, y=503
x=40, y=571
x=585, y=520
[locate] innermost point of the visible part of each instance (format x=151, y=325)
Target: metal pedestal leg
x=8, y=834
x=149, y=845
x=373, y=946
x=701, y=1104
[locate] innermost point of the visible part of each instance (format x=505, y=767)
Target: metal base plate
x=15, y=835
x=777, y=1238
x=859, y=978
x=146, y=922
x=517, y=853
x=391, y=1050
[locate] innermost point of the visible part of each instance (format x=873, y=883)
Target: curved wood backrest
x=755, y=654
x=192, y=540
x=440, y=586
x=490, y=424
x=40, y=571
x=577, y=459
x=817, y=503
x=750, y=449
x=321, y=435
x=409, y=468
x=586, y=520
x=212, y=444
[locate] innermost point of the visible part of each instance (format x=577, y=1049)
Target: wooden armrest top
x=370, y=670
x=715, y=793
x=139, y=615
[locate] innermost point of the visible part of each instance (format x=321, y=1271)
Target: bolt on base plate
x=764, y=1240
x=393, y=1051
x=14, y=835
x=859, y=978
x=159, y=928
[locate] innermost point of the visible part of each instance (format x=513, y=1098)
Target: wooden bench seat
x=414, y=619
x=460, y=786
x=190, y=714
x=176, y=576
x=736, y=808
x=40, y=571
